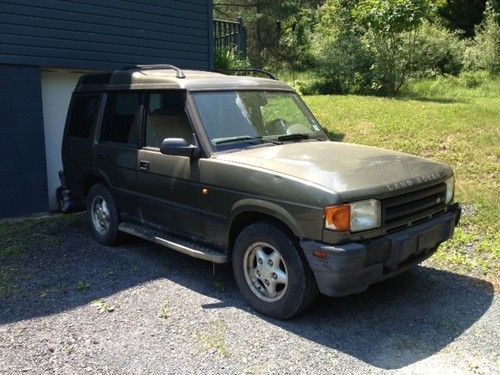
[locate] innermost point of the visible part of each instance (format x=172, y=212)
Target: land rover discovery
x=235, y=169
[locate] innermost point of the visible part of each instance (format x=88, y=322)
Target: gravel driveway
x=71, y=306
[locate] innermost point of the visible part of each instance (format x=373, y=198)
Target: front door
x=116, y=151
x=168, y=184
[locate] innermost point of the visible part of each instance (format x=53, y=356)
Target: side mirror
x=178, y=146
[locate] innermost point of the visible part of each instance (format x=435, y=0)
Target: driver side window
x=166, y=118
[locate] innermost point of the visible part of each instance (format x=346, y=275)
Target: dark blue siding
x=105, y=34
x=79, y=34
x=23, y=175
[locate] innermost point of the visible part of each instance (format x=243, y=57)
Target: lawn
x=448, y=123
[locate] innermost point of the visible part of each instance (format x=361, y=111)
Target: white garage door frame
x=57, y=87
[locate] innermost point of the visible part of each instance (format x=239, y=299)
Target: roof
x=173, y=78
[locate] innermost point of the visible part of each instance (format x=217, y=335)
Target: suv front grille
x=413, y=208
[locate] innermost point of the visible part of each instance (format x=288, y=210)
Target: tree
x=391, y=30
x=276, y=28
x=463, y=15
x=343, y=60
x=483, y=53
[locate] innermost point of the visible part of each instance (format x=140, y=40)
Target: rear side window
x=121, y=118
x=83, y=115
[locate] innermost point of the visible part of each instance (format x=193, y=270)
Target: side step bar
x=173, y=242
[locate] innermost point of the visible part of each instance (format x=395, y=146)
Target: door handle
x=101, y=156
x=144, y=165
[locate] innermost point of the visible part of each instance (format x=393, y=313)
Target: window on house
x=83, y=116
x=121, y=119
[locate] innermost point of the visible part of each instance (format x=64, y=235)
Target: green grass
x=467, y=85
x=454, y=124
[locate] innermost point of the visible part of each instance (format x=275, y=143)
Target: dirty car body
x=209, y=161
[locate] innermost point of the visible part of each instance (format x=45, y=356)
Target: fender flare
x=267, y=208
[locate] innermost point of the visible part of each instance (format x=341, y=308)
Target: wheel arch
x=250, y=211
x=90, y=180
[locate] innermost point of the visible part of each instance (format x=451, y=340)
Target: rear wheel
x=271, y=273
x=103, y=215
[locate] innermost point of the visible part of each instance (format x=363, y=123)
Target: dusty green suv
x=237, y=170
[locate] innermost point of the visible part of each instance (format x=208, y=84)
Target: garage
x=57, y=86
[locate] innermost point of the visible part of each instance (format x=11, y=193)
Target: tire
x=103, y=215
x=271, y=271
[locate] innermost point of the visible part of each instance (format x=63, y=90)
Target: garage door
x=57, y=86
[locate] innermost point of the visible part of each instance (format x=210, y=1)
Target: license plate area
x=414, y=244
x=432, y=237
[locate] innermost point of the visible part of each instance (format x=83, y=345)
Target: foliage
x=467, y=84
x=226, y=59
x=463, y=15
x=483, y=53
x=437, y=51
x=376, y=45
x=295, y=49
x=364, y=46
x=391, y=35
x=343, y=60
x=390, y=17
x=277, y=29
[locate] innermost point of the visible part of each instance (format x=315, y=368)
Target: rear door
x=116, y=151
x=77, y=147
x=169, y=184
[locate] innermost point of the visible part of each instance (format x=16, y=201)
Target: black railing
x=230, y=36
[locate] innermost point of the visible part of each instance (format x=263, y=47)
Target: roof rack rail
x=178, y=71
x=264, y=72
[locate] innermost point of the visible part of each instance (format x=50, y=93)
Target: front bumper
x=351, y=268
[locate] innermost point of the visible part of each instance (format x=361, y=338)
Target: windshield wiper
x=298, y=137
x=293, y=137
x=245, y=138
x=235, y=139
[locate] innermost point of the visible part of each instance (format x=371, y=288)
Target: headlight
x=450, y=189
x=365, y=215
x=356, y=216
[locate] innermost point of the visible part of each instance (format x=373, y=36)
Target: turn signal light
x=338, y=218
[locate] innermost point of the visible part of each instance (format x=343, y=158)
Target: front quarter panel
x=232, y=189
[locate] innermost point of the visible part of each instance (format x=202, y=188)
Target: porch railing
x=230, y=35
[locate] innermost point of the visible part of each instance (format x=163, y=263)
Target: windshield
x=239, y=118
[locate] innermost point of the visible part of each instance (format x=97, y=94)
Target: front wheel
x=271, y=273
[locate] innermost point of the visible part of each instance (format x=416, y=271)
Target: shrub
x=343, y=61
x=483, y=53
x=391, y=35
x=437, y=51
x=227, y=59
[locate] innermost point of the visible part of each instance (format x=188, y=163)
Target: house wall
x=23, y=175
x=105, y=34
x=69, y=37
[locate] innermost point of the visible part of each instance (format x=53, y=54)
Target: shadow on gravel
x=392, y=325
x=400, y=321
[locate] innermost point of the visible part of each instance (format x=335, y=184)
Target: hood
x=352, y=171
